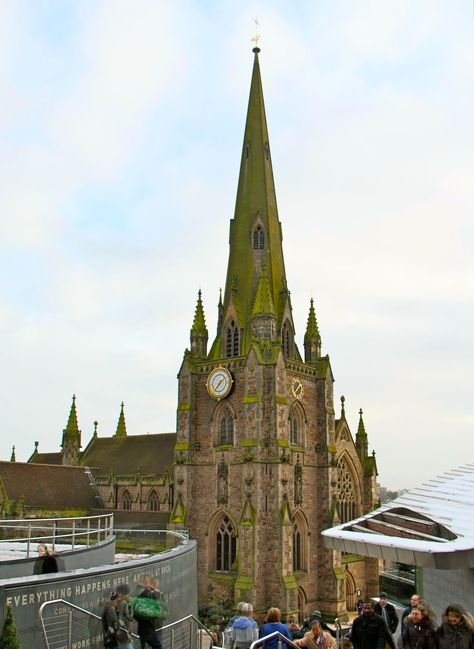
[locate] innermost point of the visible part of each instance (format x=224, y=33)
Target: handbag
x=146, y=608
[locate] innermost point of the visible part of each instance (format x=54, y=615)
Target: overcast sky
x=121, y=125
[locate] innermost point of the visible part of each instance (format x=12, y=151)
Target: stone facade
x=263, y=467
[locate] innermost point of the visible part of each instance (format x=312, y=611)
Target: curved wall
x=176, y=570
x=95, y=555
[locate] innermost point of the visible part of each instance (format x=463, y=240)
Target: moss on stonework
x=244, y=582
x=282, y=400
x=184, y=406
x=283, y=443
x=250, y=398
x=219, y=576
x=181, y=446
x=249, y=441
x=296, y=448
x=223, y=447
x=339, y=573
x=331, y=449
x=350, y=558
x=289, y=582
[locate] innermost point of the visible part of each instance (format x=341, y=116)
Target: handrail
x=275, y=634
x=181, y=534
x=56, y=529
x=166, y=627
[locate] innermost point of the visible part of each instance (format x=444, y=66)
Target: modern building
x=431, y=528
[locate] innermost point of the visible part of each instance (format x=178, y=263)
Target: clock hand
x=216, y=387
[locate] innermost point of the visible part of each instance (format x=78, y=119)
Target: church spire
x=312, y=337
x=121, y=427
x=255, y=231
x=199, y=333
x=71, y=442
x=13, y=456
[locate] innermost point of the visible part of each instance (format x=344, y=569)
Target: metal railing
x=67, y=626
x=73, y=532
x=282, y=641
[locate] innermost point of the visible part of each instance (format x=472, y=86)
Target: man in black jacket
x=369, y=630
x=387, y=611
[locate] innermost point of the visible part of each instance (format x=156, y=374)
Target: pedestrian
x=110, y=622
x=415, y=599
x=46, y=561
x=457, y=629
x=123, y=605
x=244, y=630
x=316, y=638
x=315, y=615
x=418, y=631
x=273, y=623
x=387, y=611
x=147, y=628
x=369, y=630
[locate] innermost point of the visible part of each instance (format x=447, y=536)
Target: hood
x=242, y=622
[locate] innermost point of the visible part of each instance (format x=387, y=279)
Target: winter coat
x=455, y=636
x=243, y=632
x=390, y=615
x=309, y=641
x=369, y=632
x=271, y=627
x=110, y=624
x=418, y=635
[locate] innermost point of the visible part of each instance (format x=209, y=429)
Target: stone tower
x=256, y=458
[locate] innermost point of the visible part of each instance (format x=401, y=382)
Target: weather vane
x=256, y=38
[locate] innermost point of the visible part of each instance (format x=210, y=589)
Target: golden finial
x=256, y=38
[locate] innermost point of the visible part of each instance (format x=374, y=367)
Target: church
x=261, y=463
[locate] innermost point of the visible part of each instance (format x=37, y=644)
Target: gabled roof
x=47, y=486
x=152, y=453
x=46, y=458
x=432, y=525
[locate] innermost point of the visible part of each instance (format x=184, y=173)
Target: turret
x=199, y=334
x=312, y=338
x=71, y=442
x=121, y=427
x=362, y=443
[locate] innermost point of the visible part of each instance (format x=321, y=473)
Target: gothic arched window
x=294, y=429
x=346, y=505
x=225, y=545
x=153, y=502
x=226, y=433
x=258, y=238
x=126, y=500
x=300, y=543
x=232, y=340
x=296, y=422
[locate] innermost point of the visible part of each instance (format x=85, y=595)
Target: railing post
x=54, y=534
x=69, y=631
x=73, y=533
x=29, y=541
x=88, y=531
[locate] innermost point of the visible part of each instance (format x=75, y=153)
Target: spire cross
x=256, y=38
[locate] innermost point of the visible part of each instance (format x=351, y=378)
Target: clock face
x=219, y=383
x=297, y=388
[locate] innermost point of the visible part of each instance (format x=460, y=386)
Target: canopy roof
x=432, y=525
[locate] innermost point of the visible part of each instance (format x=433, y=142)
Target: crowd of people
x=122, y=607
x=374, y=628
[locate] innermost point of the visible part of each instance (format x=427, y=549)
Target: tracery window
x=297, y=563
x=226, y=433
x=232, y=340
x=296, y=423
x=126, y=500
x=346, y=505
x=153, y=502
x=258, y=238
x=226, y=545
